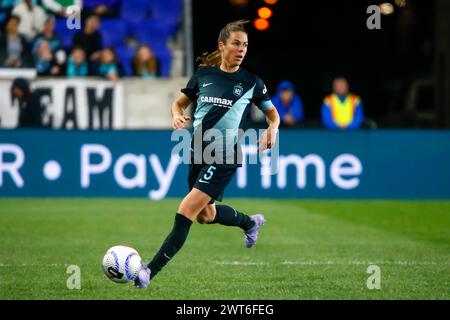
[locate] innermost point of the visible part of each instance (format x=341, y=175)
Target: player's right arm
x=178, y=118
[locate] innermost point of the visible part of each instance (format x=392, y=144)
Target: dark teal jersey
x=223, y=100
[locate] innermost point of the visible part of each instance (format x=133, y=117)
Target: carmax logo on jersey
x=219, y=102
x=97, y=160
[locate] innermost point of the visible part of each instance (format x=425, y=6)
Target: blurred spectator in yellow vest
x=342, y=109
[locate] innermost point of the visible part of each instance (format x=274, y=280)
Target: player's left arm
x=269, y=136
x=262, y=100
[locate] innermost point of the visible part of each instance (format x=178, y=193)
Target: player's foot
x=143, y=277
x=251, y=235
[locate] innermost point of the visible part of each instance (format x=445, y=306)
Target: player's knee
x=202, y=219
x=187, y=212
x=205, y=216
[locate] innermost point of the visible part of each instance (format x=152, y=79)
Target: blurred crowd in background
x=128, y=38
x=116, y=39
x=138, y=38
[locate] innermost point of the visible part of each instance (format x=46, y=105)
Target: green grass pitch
x=309, y=249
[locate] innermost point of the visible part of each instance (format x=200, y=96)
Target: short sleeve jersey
x=223, y=100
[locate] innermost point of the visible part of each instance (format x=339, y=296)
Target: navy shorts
x=211, y=179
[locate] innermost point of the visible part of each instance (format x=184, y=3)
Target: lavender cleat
x=251, y=235
x=143, y=277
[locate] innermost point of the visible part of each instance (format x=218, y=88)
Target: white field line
x=240, y=263
x=261, y=263
x=331, y=262
x=361, y=262
x=9, y=265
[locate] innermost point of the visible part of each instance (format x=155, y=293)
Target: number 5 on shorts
x=209, y=173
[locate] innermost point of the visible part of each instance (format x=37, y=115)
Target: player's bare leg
x=188, y=210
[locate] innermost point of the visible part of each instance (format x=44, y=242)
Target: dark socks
x=229, y=217
x=171, y=245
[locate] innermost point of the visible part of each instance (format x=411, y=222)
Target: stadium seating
x=113, y=32
x=167, y=12
x=150, y=32
x=133, y=11
x=64, y=34
x=164, y=56
x=125, y=55
x=148, y=22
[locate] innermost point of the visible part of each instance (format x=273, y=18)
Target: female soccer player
x=223, y=93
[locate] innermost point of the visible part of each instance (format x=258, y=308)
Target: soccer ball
x=121, y=264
